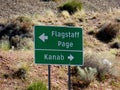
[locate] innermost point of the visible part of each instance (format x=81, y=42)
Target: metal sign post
x=69, y=78
x=49, y=78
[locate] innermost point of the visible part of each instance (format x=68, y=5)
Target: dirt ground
x=11, y=8
x=12, y=60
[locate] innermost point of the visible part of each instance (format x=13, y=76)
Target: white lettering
x=64, y=35
x=65, y=44
x=53, y=57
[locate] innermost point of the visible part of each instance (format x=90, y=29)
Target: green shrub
x=83, y=76
x=71, y=6
x=15, y=41
x=19, y=42
x=18, y=33
x=4, y=45
x=100, y=61
x=37, y=86
x=86, y=75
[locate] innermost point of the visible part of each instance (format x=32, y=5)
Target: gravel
x=11, y=8
x=101, y=5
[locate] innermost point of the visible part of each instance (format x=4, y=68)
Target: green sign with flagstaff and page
x=58, y=45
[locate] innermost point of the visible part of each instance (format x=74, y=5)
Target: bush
x=23, y=19
x=71, y=6
x=19, y=42
x=37, y=86
x=4, y=45
x=26, y=43
x=15, y=41
x=100, y=62
x=65, y=14
x=24, y=23
x=109, y=32
x=17, y=30
x=20, y=73
x=87, y=74
x=84, y=76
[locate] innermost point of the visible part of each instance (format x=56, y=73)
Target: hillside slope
x=10, y=8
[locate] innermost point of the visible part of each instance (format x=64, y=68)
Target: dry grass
x=65, y=14
x=101, y=61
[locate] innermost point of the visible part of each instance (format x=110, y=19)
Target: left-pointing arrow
x=43, y=37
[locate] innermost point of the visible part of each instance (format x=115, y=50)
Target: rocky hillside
x=11, y=8
x=101, y=31
x=101, y=5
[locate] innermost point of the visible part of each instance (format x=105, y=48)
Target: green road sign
x=58, y=45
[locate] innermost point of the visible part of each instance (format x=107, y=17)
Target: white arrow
x=70, y=57
x=43, y=37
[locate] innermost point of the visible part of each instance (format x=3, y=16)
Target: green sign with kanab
x=58, y=45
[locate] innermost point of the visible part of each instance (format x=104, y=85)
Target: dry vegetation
x=101, y=69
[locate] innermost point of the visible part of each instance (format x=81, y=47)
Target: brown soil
x=11, y=60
